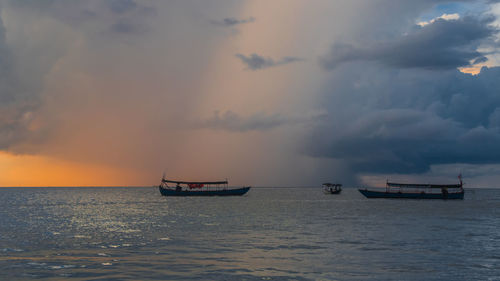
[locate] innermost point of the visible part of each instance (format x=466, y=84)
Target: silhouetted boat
x=201, y=188
x=332, y=188
x=417, y=191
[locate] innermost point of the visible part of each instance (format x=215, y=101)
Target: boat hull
x=222, y=192
x=406, y=195
x=332, y=192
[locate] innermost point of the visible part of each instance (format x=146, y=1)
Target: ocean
x=133, y=233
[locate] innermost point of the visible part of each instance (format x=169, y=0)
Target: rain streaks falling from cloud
x=123, y=83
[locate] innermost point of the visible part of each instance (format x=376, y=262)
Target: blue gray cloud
x=128, y=27
x=122, y=6
x=257, y=62
x=443, y=44
x=115, y=16
x=398, y=104
x=386, y=121
x=18, y=97
x=232, y=21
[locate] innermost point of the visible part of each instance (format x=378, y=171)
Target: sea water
x=132, y=233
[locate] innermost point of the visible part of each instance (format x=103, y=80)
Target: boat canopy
x=416, y=185
x=194, y=182
x=332, y=184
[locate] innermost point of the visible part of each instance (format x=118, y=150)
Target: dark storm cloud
x=419, y=110
x=404, y=121
x=443, y=44
x=17, y=98
x=256, y=62
x=23, y=68
x=232, y=21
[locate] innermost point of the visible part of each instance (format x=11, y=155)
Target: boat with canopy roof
x=199, y=188
x=332, y=188
x=417, y=191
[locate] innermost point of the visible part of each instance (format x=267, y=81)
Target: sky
x=263, y=93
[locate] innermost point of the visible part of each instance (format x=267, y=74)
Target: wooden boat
x=195, y=188
x=332, y=188
x=417, y=191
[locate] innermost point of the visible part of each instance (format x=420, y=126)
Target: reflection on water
x=273, y=234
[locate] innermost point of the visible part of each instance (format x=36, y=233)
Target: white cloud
x=441, y=17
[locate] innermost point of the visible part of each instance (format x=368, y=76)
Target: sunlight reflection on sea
x=270, y=233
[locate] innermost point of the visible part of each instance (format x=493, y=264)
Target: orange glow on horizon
x=37, y=170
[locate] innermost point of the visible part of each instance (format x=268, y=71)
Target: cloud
x=115, y=16
x=442, y=44
x=24, y=65
x=122, y=6
x=232, y=21
x=18, y=97
x=454, y=16
x=256, y=62
x=417, y=112
x=79, y=68
x=233, y=122
x=127, y=27
x=382, y=121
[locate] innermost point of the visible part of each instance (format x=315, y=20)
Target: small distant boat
x=332, y=188
x=417, y=191
x=199, y=188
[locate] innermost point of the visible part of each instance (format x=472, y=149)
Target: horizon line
x=155, y=186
